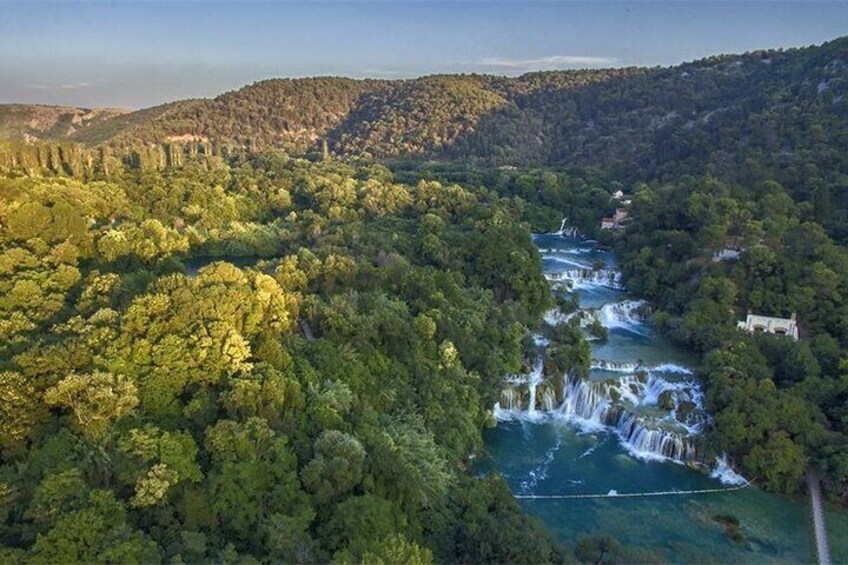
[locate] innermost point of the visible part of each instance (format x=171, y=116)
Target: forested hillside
x=374, y=118
x=768, y=114
x=281, y=113
x=778, y=106
x=779, y=405
x=320, y=401
x=213, y=350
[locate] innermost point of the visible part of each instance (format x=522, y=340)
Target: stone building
x=767, y=324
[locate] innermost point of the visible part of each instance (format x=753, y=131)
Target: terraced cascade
x=634, y=424
x=654, y=411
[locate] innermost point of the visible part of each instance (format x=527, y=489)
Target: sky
x=138, y=54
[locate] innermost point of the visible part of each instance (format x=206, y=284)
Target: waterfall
x=656, y=411
x=625, y=367
x=510, y=400
x=548, y=400
x=627, y=315
x=612, y=404
x=614, y=366
x=532, y=382
x=540, y=340
x=588, y=277
x=555, y=317
x=568, y=231
x=649, y=443
x=653, y=416
x=725, y=473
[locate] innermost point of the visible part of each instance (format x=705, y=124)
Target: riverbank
x=550, y=454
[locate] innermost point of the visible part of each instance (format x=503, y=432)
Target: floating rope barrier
x=629, y=494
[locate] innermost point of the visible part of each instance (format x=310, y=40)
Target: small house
x=767, y=324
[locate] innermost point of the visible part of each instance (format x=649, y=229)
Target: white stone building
x=767, y=324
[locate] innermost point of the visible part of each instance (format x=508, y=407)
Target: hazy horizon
x=140, y=54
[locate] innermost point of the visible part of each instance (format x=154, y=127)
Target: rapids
x=634, y=425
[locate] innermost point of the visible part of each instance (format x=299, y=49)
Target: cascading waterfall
x=532, y=382
x=656, y=411
x=624, y=315
x=654, y=443
x=511, y=400
x=568, y=231
x=548, y=400
x=583, y=277
x=627, y=315
x=725, y=473
x=655, y=417
x=626, y=367
x=554, y=317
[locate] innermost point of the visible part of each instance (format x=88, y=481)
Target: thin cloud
x=383, y=73
x=68, y=86
x=74, y=86
x=549, y=62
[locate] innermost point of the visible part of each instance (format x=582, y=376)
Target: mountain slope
x=282, y=113
x=37, y=122
x=776, y=105
x=779, y=102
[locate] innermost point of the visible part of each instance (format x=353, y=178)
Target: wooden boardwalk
x=822, y=547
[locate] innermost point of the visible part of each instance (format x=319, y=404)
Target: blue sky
x=136, y=54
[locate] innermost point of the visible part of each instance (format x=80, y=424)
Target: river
x=633, y=426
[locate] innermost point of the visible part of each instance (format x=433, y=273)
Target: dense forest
x=779, y=405
x=767, y=115
x=271, y=325
x=320, y=401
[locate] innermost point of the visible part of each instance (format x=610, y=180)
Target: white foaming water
x=511, y=405
x=656, y=414
x=617, y=405
x=590, y=450
x=585, y=277
x=570, y=264
x=540, y=473
x=613, y=404
x=533, y=381
x=554, y=317
x=725, y=473
x=559, y=252
x=670, y=368
x=627, y=315
x=567, y=231
x=624, y=367
x=540, y=340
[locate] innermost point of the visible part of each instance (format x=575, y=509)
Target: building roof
x=769, y=324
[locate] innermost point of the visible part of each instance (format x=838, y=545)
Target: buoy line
x=629, y=494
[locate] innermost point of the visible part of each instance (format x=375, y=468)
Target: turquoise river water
x=633, y=426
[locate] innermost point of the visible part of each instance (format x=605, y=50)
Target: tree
x=597, y=550
x=336, y=468
x=397, y=549
x=96, y=400
x=96, y=533
x=359, y=523
x=21, y=411
x=252, y=478
x=779, y=463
